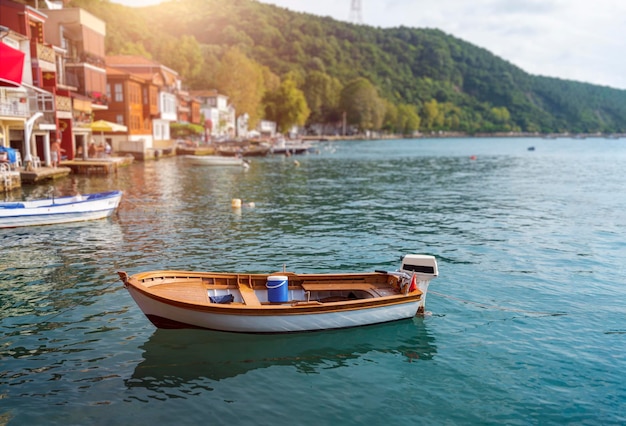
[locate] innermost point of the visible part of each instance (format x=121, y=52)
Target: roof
x=116, y=72
x=145, y=68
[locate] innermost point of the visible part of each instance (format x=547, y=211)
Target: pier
x=98, y=166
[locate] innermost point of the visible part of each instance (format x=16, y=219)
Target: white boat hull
x=260, y=322
x=59, y=210
x=214, y=160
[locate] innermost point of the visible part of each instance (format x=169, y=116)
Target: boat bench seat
x=323, y=286
x=248, y=295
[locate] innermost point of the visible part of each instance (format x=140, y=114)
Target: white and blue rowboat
x=282, y=302
x=52, y=211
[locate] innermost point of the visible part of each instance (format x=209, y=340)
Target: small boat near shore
x=215, y=160
x=52, y=211
x=291, y=147
x=282, y=302
x=243, y=149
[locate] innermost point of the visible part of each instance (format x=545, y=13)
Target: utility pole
x=356, y=16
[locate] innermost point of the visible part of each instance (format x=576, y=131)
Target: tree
x=408, y=120
x=406, y=65
x=286, y=106
x=130, y=48
x=241, y=79
x=322, y=95
x=432, y=115
x=362, y=105
x=183, y=55
x=390, y=122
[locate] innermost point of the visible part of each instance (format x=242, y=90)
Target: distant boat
x=52, y=211
x=283, y=302
x=531, y=148
x=295, y=147
x=215, y=160
x=243, y=149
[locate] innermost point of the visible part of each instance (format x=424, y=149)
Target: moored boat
x=215, y=160
x=291, y=147
x=243, y=149
x=52, y=211
x=282, y=302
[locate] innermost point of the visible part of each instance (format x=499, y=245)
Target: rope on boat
x=499, y=308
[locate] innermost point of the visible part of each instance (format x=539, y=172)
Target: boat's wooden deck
x=195, y=289
x=192, y=291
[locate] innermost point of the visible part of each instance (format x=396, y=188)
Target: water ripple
x=527, y=315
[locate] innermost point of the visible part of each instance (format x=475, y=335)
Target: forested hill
x=450, y=84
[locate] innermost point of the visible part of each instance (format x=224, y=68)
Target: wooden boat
x=243, y=149
x=59, y=210
x=282, y=302
x=215, y=160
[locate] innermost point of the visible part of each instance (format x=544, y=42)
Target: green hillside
x=394, y=79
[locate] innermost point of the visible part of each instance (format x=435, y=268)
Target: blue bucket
x=277, y=288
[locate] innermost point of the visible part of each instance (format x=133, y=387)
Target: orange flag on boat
x=413, y=285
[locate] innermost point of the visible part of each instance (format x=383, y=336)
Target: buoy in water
x=472, y=157
x=236, y=203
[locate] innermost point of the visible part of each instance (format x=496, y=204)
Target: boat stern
x=423, y=268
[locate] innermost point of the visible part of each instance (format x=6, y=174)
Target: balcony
x=14, y=107
x=45, y=57
x=98, y=99
x=86, y=58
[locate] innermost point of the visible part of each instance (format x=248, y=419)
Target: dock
x=43, y=173
x=97, y=166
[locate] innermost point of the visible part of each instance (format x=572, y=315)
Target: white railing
x=14, y=108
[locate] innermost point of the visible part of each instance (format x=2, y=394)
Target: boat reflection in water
x=176, y=357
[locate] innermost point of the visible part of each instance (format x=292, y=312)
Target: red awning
x=11, y=66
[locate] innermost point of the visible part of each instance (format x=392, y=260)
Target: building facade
x=64, y=78
x=219, y=115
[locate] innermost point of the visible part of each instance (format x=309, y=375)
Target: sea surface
x=526, y=323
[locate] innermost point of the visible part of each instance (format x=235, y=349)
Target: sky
x=580, y=40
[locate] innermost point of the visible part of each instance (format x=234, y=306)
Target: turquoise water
x=526, y=323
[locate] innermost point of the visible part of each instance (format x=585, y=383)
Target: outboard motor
x=420, y=264
x=424, y=268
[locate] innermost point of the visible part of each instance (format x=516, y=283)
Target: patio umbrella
x=103, y=126
x=107, y=126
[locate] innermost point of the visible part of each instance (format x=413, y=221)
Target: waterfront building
x=28, y=111
x=163, y=85
x=63, y=78
x=218, y=114
x=80, y=75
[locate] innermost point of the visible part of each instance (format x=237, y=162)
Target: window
x=119, y=94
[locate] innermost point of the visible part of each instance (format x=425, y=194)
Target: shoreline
x=451, y=135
